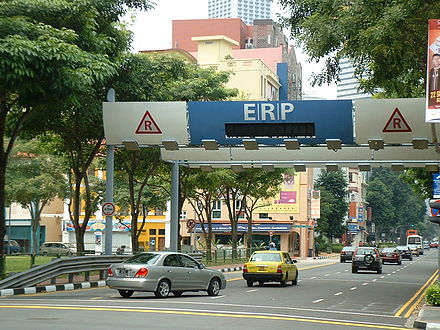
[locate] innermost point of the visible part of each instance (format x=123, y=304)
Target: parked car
x=57, y=248
x=391, y=254
x=270, y=266
x=11, y=247
x=162, y=273
x=405, y=252
x=366, y=258
x=347, y=253
x=433, y=245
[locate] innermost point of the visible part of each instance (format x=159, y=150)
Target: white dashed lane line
x=312, y=278
x=252, y=290
x=317, y=301
x=353, y=288
x=365, y=283
x=338, y=293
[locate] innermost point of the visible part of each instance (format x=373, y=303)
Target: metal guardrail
x=62, y=266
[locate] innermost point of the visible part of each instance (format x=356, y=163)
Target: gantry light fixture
x=397, y=167
x=331, y=167
x=210, y=144
x=268, y=167
x=206, y=168
x=431, y=167
x=364, y=167
x=299, y=167
x=333, y=144
x=420, y=143
x=131, y=145
x=376, y=144
x=291, y=144
x=170, y=144
x=237, y=168
x=250, y=144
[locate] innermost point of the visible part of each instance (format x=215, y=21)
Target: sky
x=152, y=31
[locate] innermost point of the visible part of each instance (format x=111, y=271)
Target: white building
x=347, y=87
x=247, y=10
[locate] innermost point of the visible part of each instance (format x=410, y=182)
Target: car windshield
x=266, y=257
x=144, y=258
x=348, y=248
x=402, y=248
x=363, y=251
x=388, y=250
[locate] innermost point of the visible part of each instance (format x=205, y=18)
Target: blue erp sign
x=270, y=122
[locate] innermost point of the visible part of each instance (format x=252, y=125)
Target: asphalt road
x=328, y=296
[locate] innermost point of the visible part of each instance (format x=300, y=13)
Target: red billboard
x=433, y=73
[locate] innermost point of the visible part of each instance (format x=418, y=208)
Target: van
x=57, y=249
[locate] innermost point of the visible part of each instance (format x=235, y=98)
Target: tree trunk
x=249, y=238
x=3, y=161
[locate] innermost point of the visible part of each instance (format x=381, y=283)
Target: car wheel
x=399, y=262
x=295, y=281
x=163, y=289
x=177, y=293
x=214, y=287
x=261, y=283
x=354, y=270
x=126, y=293
x=379, y=271
x=284, y=283
x=342, y=260
x=249, y=283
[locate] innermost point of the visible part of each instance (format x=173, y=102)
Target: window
x=183, y=215
x=188, y=262
x=172, y=260
x=152, y=231
x=158, y=212
x=217, y=209
x=161, y=231
x=263, y=215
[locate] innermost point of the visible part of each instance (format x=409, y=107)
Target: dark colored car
x=405, y=252
x=347, y=253
x=11, y=247
x=367, y=258
x=391, y=255
x=433, y=245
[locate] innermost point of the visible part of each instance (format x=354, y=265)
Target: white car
x=57, y=249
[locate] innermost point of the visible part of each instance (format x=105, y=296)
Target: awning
x=242, y=228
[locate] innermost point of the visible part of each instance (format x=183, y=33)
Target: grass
x=16, y=264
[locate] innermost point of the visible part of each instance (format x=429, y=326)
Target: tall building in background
x=347, y=87
x=247, y=10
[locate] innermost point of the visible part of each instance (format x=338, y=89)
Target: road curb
x=325, y=257
x=52, y=288
x=233, y=269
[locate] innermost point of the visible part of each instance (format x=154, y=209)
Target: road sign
x=436, y=185
x=434, y=205
x=108, y=209
x=270, y=122
x=397, y=123
x=190, y=223
x=147, y=125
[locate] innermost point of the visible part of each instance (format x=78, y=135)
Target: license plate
x=123, y=272
x=261, y=269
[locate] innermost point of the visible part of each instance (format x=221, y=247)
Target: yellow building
x=251, y=76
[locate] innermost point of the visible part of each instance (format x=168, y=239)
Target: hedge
x=433, y=295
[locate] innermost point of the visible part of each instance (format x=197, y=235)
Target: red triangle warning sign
x=397, y=123
x=148, y=125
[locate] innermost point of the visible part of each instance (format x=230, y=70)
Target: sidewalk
x=428, y=318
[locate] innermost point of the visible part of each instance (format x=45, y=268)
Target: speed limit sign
x=108, y=209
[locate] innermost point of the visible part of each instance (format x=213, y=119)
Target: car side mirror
x=202, y=266
x=294, y=261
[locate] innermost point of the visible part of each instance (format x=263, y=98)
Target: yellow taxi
x=270, y=266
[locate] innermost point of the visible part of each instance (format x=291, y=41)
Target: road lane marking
x=400, y=311
x=216, y=297
x=317, y=301
x=227, y=314
x=338, y=293
x=416, y=303
x=96, y=298
x=252, y=290
x=338, y=272
x=365, y=283
x=312, y=278
x=353, y=288
x=382, y=276
x=327, y=275
x=375, y=280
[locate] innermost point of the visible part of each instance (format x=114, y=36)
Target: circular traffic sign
x=108, y=209
x=190, y=223
x=434, y=211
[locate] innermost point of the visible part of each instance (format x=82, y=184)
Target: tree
x=385, y=40
x=157, y=77
x=33, y=180
x=333, y=186
x=55, y=59
x=379, y=198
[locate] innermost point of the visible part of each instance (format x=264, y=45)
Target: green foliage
x=334, y=206
x=433, y=295
x=386, y=40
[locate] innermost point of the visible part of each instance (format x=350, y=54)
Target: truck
x=415, y=242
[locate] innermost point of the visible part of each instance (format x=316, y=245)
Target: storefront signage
x=243, y=227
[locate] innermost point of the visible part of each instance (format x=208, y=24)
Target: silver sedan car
x=162, y=273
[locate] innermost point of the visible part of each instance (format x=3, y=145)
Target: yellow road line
x=409, y=312
x=245, y=316
x=331, y=263
x=400, y=311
